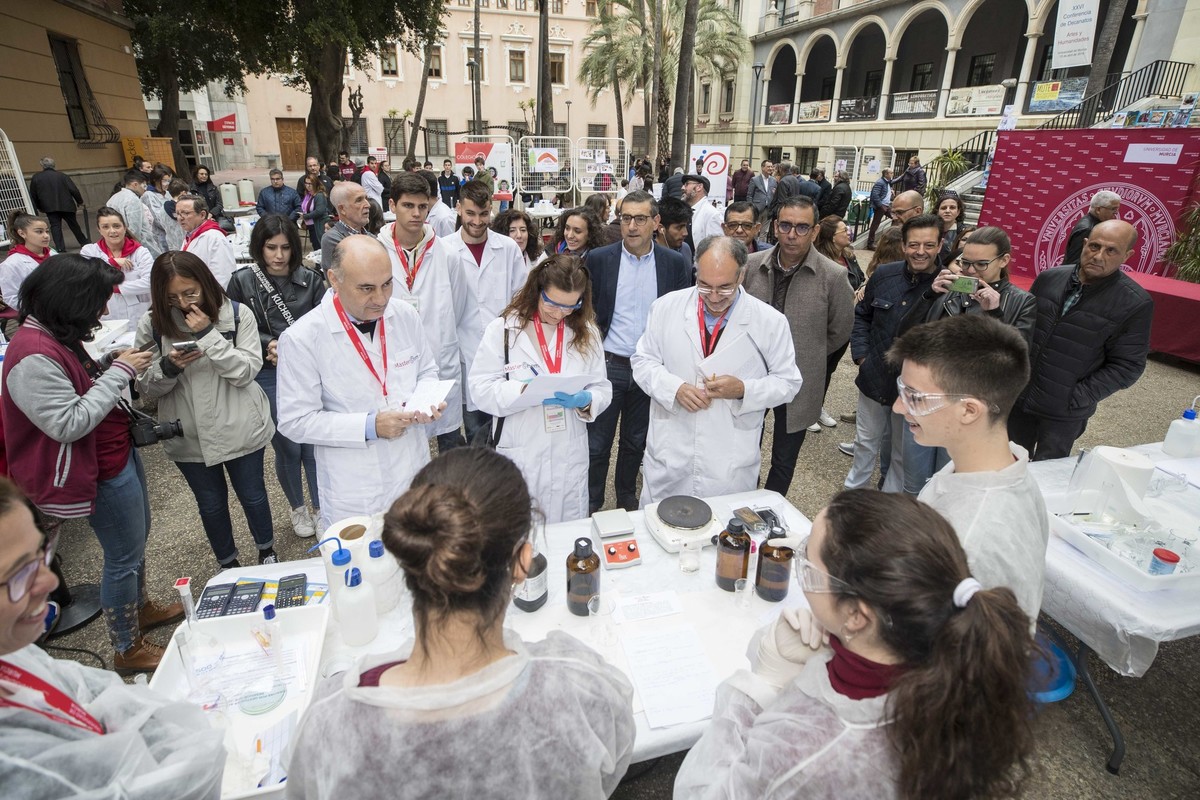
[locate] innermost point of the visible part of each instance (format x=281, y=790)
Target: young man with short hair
x=959, y=378
x=674, y=219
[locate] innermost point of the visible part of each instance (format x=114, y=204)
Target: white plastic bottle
x=1183, y=436
x=382, y=574
x=337, y=561
x=355, y=608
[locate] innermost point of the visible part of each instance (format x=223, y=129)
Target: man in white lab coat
x=425, y=277
x=204, y=237
x=705, y=427
x=493, y=270
x=345, y=373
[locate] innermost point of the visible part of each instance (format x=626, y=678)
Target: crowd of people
x=923, y=597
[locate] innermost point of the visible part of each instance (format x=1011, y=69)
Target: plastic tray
x=309, y=622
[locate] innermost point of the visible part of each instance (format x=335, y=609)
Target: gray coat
x=820, y=311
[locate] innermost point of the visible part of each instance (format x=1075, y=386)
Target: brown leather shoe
x=142, y=657
x=152, y=615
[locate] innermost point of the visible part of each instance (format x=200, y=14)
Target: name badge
x=555, y=418
x=413, y=301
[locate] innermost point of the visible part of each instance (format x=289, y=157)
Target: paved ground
x=1159, y=713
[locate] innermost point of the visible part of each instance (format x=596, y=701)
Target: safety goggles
x=816, y=580
x=560, y=306
x=18, y=585
x=922, y=404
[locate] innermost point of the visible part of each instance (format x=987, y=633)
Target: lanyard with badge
x=708, y=342
x=555, y=417
x=356, y=340
x=54, y=704
x=410, y=273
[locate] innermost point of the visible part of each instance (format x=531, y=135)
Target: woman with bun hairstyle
x=467, y=709
x=549, y=327
x=906, y=679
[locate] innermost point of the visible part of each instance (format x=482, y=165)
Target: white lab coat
x=805, y=741
x=214, y=249
x=373, y=187
x=706, y=221
x=555, y=465
x=716, y=450
x=325, y=394
x=442, y=218
x=13, y=272
x=139, y=220
x=490, y=286
x=440, y=298
x=133, y=299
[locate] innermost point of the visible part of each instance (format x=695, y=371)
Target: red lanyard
x=709, y=343
x=69, y=712
x=555, y=364
x=356, y=340
x=410, y=275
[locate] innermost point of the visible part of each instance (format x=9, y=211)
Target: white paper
x=673, y=675
x=647, y=606
x=739, y=358
x=275, y=741
x=429, y=394
x=543, y=387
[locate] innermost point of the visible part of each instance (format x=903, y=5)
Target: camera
x=146, y=430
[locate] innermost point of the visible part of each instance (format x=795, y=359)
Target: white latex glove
x=785, y=646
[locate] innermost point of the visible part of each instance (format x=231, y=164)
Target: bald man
x=353, y=208
x=346, y=373
x=1091, y=340
x=905, y=206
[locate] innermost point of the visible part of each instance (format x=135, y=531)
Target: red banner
x=1042, y=182
x=226, y=123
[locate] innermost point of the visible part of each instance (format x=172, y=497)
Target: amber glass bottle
x=583, y=577
x=733, y=554
x=774, y=568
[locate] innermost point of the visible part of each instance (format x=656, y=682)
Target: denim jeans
x=920, y=462
x=871, y=435
x=212, y=498
x=473, y=423
x=632, y=406
x=121, y=522
x=290, y=457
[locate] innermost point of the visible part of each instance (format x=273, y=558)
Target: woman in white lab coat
x=906, y=679
x=550, y=328
x=117, y=247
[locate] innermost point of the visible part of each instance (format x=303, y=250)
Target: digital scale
x=680, y=519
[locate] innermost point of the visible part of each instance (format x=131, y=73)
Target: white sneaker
x=847, y=448
x=316, y=520
x=302, y=523
x=814, y=428
x=827, y=420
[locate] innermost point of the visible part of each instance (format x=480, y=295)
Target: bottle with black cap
x=583, y=577
x=733, y=554
x=774, y=568
x=531, y=594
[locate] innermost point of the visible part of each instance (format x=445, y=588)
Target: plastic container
x=337, y=560
x=1163, y=561
x=382, y=573
x=245, y=190
x=229, y=195
x=355, y=609
x=1183, y=436
x=733, y=554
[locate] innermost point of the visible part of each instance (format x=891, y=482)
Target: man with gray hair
x=278, y=199
x=1105, y=205
x=353, y=208
x=204, y=237
x=54, y=194
x=711, y=383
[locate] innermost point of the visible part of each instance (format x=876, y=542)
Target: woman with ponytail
x=466, y=709
x=30, y=237
x=905, y=680
x=131, y=299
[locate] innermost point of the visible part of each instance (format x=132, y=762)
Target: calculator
x=291, y=591
x=244, y=599
x=214, y=601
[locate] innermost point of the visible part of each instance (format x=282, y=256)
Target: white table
x=1122, y=625
x=725, y=629
x=543, y=214
x=240, y=211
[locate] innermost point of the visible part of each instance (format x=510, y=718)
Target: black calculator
x=291, y=591
x=244, y=599
x=214, y=601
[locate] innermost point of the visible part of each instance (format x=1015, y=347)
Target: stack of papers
x=740, y=358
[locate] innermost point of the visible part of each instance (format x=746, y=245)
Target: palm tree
x=683, y=83
x=621, y=38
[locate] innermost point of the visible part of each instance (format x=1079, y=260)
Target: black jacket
x=212, y=197
x=51, y=190
x=1097, y=348
x=1081, y=231
x=891, y=292
x=301, y=294
x=837, y=200
x=604, y=264
x=673, y=187
x=1017, y=308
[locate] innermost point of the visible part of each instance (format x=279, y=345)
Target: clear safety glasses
x=813, y=579
x=18, y=585
x=560, y=306
x=922, y=404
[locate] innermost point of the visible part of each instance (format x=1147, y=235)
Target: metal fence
x=545, y=166
x=14, y=196
x=600, y=164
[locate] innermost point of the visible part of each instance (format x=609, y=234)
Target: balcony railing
x=1158, y=79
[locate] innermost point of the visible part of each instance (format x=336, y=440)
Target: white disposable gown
x=326, y=392
x=440, y=298
x=1001, y=521
x=152, y=748
x=555, y=465
x=551, y=722
x=133, y=298
x=806, y=741
x=716, y=450
x=490, y=286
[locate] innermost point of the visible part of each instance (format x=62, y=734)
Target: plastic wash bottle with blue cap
x=355, y=606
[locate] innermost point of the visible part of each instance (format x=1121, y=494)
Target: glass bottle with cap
x=733, y=554
x=531, y=594
x=583, y=577
x=774, y=568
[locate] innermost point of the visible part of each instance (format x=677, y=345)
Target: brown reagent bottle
x=531, y=594
x=583, y=577
x=733, y=554
x=774, y=568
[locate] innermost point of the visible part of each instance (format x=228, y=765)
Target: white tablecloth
x=1122, y=625
x=725, y=629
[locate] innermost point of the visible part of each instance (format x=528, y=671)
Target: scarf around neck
x=856, y=677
